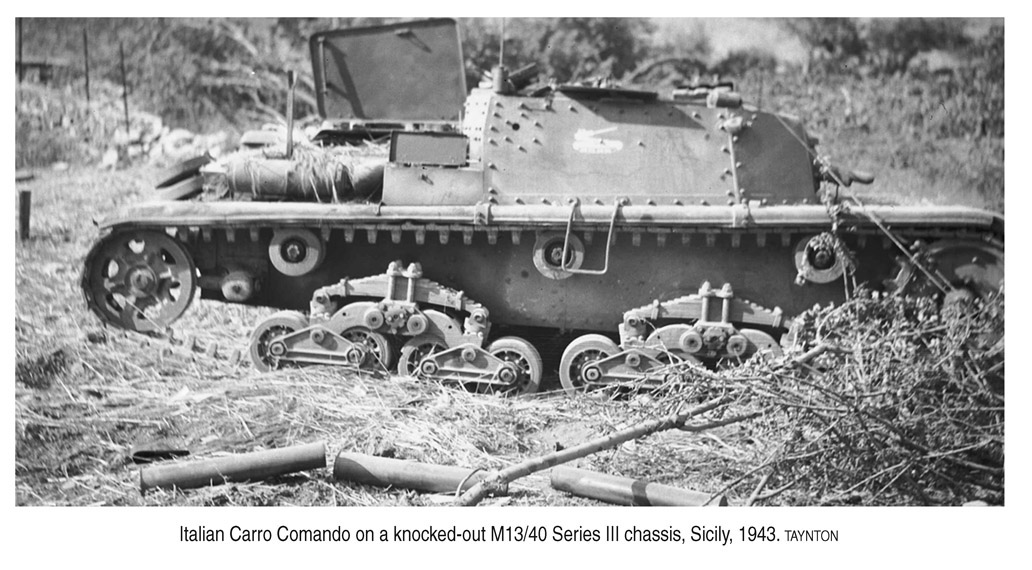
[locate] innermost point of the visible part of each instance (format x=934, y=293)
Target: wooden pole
x=21, y=65
x=498, y=479
x=386, y=472
x=24, y=213
x=125, y=86
x=86, y=61
x=626, y=491
x=759, y=102
x=245, y=467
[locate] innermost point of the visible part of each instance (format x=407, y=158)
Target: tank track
x=417, y=313
x=442, y=333
x=661, y=336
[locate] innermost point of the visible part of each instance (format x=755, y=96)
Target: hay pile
x=340, y=173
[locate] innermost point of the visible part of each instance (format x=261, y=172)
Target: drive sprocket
x=140, y=280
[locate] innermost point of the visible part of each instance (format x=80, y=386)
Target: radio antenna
x=501, y=46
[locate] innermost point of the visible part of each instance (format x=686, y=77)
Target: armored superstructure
x=687, y=226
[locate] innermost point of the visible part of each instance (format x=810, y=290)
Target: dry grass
x=86, y=395
x=76, y=424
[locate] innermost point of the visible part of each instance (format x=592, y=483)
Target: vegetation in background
x=929, y=134
x=907, y=410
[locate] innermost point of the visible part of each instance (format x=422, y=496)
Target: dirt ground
x=92, y=402
x=87, y=397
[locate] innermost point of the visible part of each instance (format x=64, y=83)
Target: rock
x=150, y=126
x=110, y=159
x=121, y=138
x=176, y=139
x=215, y=143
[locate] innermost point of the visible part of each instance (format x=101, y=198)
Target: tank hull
x=686, y=226
x=656, y=254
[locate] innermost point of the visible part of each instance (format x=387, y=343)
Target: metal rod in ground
x=387, y=472
x=86, y=63
x=253, y=466
x=627, y=491
x=125, y=86
x=21, y=63
x=505, y=476
x=24, y=213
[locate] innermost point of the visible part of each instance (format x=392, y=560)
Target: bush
x=896, y=401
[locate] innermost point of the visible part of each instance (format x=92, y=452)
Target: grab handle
x=609, y=240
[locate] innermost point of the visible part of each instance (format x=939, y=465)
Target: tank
x=455, y=235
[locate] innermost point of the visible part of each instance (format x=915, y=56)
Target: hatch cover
x=411, y=71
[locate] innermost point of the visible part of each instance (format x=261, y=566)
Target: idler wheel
x=373, y=319
x=523, y=363
x=548, y=253
x=817, y=259
x=575, y=368
x=416, y=325
x=737, y=345
x=691, y=342
x=374, y=343
x=139, y=280
x=237, y=286
x=295, y=252
x=265, y=349
x=415, y=350
x=972, y=266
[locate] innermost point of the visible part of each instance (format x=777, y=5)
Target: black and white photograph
x=575, y=263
